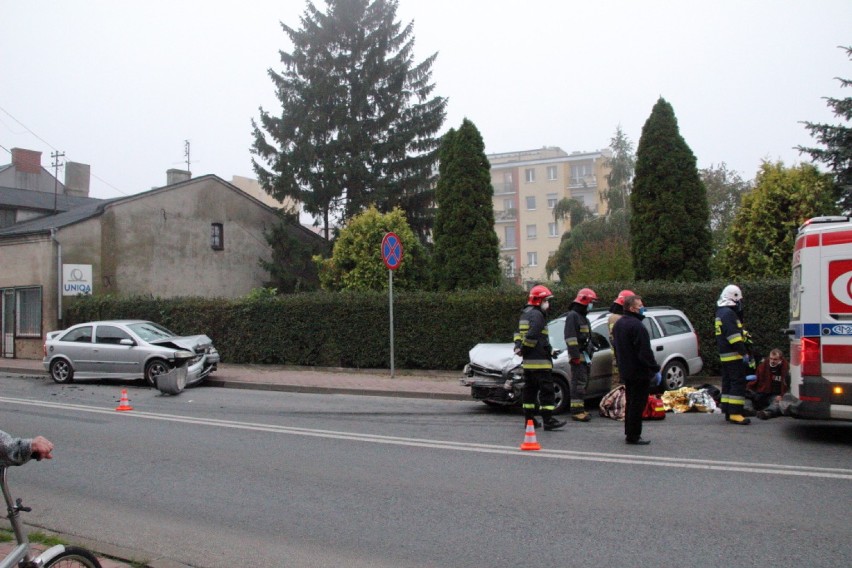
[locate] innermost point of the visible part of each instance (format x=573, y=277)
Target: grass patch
x=45, y=539
x=6, y=536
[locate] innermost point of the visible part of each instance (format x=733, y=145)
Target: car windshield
x=150, y=331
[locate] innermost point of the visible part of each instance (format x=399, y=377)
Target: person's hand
x=575, y=360
x=751, y=378
x=41, y=448
x=658, y=378
x=517, y=350
x=556, y=352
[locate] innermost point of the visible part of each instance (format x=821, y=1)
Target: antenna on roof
x=56, y=165
x=186, y=155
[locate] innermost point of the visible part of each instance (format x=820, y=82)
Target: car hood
x=495, y=356
x=194, y=343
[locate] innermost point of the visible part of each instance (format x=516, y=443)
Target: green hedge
x=431, y=330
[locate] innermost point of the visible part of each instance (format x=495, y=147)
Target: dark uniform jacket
x=577, y=334
x=633, y=344
x=729, y=335
x=533, y=340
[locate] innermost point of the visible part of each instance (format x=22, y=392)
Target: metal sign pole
x=390, y=303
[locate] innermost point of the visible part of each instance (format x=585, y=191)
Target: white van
x=821, y=319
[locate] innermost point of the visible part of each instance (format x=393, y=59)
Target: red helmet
x=586, y=296
x=622, y=295
x=538, y=294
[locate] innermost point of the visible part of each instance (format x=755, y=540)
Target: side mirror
x=128, y=342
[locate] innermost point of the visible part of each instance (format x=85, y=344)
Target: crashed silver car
x=495, y=376
x=126, y=349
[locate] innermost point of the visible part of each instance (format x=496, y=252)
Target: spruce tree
x=358, y=122
x=467, y=250
x=837, y=143
x=670, y=220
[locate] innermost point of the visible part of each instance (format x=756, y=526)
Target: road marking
x=686, y=463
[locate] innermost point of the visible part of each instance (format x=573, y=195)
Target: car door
x=658, y=343
x=115, y=360
x=600, y=375
x=76, y=346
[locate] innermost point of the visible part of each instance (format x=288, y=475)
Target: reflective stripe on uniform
x=533, y=365
x=728, y=357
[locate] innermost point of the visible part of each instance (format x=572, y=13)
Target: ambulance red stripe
x=836, y=238
x=837, y=354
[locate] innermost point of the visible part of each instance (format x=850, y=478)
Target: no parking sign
x=392, y=257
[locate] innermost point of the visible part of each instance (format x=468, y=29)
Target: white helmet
x=730, y=296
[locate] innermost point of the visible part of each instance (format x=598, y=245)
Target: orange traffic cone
x=124, y=403
x=530, y=442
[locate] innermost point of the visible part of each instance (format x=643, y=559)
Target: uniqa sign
x=76, y=279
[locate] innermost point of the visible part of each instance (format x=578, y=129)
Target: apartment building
x=527, y=187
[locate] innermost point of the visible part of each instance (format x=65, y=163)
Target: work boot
x=581, y=417
x=554, y=423
x=739, y=419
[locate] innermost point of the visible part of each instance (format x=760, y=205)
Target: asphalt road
x=221, y=478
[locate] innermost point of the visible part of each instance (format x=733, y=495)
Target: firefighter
x=616, y=310
x=733, y=353
x=533, y=344
x=578, y=338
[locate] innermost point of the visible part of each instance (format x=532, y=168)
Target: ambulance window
x=796, y=293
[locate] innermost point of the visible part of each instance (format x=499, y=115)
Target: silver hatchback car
x=126, y=349
x=494, y=372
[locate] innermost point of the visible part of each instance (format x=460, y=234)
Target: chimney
x=174, y=176
x=26, y=161
x=77, y=178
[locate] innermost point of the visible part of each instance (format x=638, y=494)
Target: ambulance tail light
x=811, y=363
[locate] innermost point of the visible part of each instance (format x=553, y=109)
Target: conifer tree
x=467, y=250
x=358, y=122
x=837, y=143
x=670, y=220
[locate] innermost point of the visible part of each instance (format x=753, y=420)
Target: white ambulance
x=821, y=319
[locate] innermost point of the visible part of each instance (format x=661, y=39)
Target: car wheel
x=674, y=375
x=61, y=371
x=154, y=369
x=562, y=394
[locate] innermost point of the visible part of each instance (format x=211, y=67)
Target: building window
x=509, y=236
x=551, y=200
x=551, y=173
x=531, y=232
x=531, y=203
x=508, y=205
x=510, y=267
x=29, y=312
x=532, y=259
x=580, y=173
x=217, y=236
x=530, y=175
x=552, y=230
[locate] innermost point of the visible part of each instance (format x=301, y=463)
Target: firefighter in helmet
x=578, y=338
x=533, y=344
x=733, y=353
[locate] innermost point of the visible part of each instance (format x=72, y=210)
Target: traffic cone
x=124, y=402
x=530, y=442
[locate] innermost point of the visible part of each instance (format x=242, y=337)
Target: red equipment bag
x=654, y=409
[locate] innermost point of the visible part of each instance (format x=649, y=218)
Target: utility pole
x=56, y=165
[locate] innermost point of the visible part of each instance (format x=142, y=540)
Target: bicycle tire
x=74, y=557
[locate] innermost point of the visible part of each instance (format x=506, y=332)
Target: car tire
x=674, y=375
x=61, y=371
x=562, y=392
x=155, y=368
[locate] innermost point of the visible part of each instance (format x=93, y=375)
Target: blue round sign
x=392, y=251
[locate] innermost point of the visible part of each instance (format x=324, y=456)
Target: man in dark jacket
x=636, y=365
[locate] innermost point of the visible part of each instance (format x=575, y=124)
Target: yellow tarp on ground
x=687, y=399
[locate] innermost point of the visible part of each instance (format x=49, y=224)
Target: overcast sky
x=121, y=85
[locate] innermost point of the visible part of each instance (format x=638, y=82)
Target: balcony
x=505, y=215
x=503, y=188
x=585, y=182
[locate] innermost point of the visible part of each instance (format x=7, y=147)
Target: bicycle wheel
x=74, y=557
